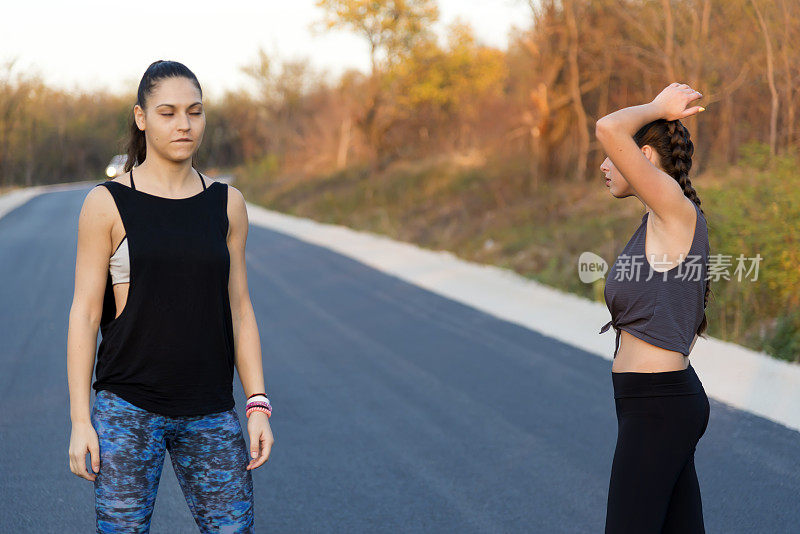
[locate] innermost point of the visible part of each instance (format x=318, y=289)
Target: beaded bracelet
x=257, y=397
x=258, y=409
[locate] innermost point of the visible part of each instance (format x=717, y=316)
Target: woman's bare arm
x=96, y=219
x=245, y=329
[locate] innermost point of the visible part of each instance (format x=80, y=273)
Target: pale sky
x=93, y=44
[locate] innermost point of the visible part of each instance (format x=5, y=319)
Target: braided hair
x=672, y=142
x=135, y=146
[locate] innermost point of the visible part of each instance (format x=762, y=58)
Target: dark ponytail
x=672, y=142
x=135, y=146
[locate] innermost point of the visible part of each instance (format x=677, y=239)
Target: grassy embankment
x=483, y=211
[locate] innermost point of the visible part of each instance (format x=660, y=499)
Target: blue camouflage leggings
x=208, y=454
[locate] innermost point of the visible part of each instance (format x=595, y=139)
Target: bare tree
x=774, y=101
x=575, y=89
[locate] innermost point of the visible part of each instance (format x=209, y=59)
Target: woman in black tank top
x=662, y=408
x=165, y=364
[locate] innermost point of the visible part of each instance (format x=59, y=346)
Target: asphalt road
x=396, y=410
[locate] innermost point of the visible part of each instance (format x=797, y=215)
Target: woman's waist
x=637, y=354
x=653, y=384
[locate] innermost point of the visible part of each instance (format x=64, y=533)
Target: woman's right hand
x=83, y=440
x=672, y=102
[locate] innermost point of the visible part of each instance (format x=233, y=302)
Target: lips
x=182, y=141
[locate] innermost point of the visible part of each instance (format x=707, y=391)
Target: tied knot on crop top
x=171, y=348
x=664, y=308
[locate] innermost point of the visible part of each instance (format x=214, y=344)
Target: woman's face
x=613, y=179
x=174, y=113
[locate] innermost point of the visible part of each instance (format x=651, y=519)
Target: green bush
x=754, y=154
x=784, y=341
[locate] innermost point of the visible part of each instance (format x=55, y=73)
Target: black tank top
x=664, y=308
x=171, y=349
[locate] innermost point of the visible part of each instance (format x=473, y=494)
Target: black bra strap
x=133, y=185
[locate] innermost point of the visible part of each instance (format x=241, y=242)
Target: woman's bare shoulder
x=99, y=207
x=236, y=203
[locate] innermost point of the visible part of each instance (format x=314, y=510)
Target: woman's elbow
x=89, y=316
x=601, y=126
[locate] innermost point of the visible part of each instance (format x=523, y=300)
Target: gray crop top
x=664, y=308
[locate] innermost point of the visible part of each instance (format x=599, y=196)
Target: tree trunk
x=575, y=91
x=344, y=143
x=773, y=117
x=669, y=42
x=790, y=92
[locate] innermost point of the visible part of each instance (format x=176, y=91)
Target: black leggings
x=653, y=487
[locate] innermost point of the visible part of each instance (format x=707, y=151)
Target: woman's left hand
x=261, y=439
x=674, y=99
